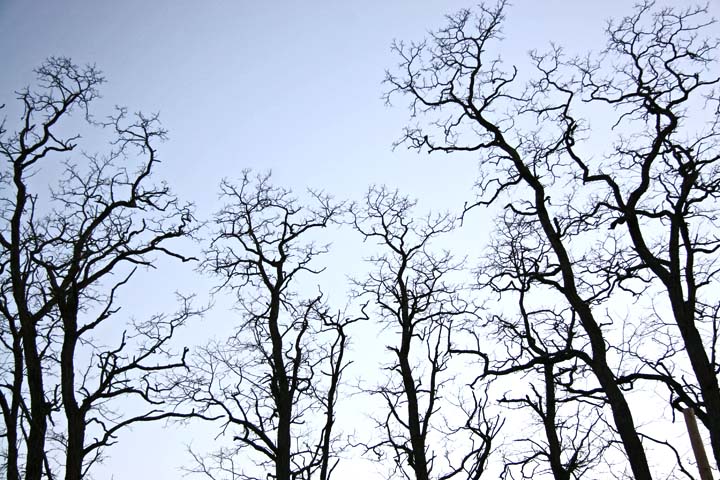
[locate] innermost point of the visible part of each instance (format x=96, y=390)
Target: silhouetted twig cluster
x=596, y=286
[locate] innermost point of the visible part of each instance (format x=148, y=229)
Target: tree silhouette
x=658, y=182
x=65, y=254
x=412, y=292
x=276, y=381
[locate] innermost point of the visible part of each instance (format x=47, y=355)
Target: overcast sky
x=290, y=86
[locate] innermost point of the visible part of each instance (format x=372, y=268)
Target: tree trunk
x=74, y=454
x=282, y=391
x=554, y=445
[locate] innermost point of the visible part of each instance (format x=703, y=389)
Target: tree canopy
x=572, y=340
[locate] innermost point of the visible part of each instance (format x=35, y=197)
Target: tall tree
x=275, y=381
x=531, y=139
x=412, y=290
x=66, y=251
x=541, y=347
x=660, y=73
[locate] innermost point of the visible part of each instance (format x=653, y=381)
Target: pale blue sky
x=290, y=86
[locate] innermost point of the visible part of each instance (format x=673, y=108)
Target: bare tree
x=275, y=381
x=528, y=137
x=662, y=81
x=66, y=253
x=412, y=291
x=570, y=448
x=542, y=346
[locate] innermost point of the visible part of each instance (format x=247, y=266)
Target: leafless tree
x=65, y=253
x=663, y=83
x=276, y=380
x=412, y=289
x=543, y=346
x=528, y=137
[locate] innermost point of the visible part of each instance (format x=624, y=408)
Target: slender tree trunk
x=624, y=422
x=335, y=372
x=684, y=314
x=622, y=414
x=11, y=410
x=696, y=441
x=282, y=393
x=39, y=408
x=555, y=453
x=74, y=415
x=704, y=373
x=417, y=439
x=327, y=436
x=11, y=464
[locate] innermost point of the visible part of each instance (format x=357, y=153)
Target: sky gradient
x=294, y=87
